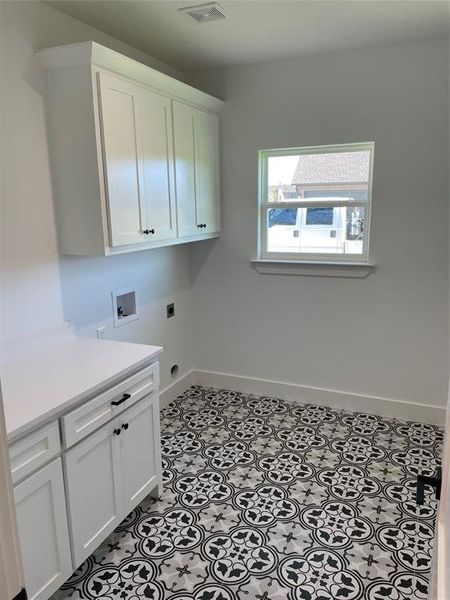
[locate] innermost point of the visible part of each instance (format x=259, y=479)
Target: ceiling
x=258, y=30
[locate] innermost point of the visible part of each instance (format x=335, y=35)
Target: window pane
x=319, y=216
x=323, y=230
x=328, y=175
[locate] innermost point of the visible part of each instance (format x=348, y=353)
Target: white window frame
x=265, y=206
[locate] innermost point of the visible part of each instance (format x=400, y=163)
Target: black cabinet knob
x=147, y=231
x=201, y=225
x=117, y=431
x=125, y=426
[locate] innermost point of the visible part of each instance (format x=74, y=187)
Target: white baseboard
x=175, y=389
x=384, y=407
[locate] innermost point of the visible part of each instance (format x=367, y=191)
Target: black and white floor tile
x=266, y=499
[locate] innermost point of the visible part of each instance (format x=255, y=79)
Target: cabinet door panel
x=93, y=481
x=183, y=126
x=118, y=101
x=155, y=129
x=43, y=531
x=196, y=170
x=206, y=170
x=141, y=460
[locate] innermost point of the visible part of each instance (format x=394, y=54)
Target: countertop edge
x=34, y=424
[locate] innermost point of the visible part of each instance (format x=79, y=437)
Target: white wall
x=40, y=288
x=386, y=335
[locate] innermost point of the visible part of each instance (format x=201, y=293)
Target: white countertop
x=42, y=383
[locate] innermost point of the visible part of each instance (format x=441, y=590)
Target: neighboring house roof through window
x=336, y=167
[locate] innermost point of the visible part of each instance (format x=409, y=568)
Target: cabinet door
x=94, y=490
x=206, y=130
x=43, y=531
x=141, y=460
x=156, y=146
x=118, y=108
x=184, y=147
x=196, y=170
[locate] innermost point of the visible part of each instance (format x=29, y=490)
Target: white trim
x=264, y=205
x=349, y=147
x=11, y=573
x=385, y=407
x=440, y=568
x=313, y=268
x=172, y=391
x=309, y=258
x=110, y=251
x=316, y=203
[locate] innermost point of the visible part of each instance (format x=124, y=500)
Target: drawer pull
x=124, y=398
x=117, y=431
x=125, y=426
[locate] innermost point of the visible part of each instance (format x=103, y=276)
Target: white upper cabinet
x=196, y=170
x=206, y=133
x=124, y=177
x=184, y=169
x=156, y=144
x=134, y=153
x=137, y=147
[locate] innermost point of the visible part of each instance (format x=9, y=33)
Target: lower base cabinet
x=110, y=472
x=43, y=531
x=69, y=499
x=95, y=506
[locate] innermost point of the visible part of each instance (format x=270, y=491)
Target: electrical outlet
x=170, y=310
x=101, y=332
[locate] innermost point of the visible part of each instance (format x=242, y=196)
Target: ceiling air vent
x=203, y=13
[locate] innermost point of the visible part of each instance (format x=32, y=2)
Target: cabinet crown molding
x=96, y=55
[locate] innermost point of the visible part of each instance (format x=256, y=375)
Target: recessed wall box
x=124, y=306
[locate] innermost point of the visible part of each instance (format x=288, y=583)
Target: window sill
x=313, y=269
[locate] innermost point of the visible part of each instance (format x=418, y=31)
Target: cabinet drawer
x=33, y=451
x=90, y=416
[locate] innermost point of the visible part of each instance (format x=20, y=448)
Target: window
x=315, y=203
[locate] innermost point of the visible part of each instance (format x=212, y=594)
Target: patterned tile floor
x=269, y=500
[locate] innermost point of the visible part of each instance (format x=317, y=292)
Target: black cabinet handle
x=117, y=431
x=201, y=225
x=125, y=426
x=123, y=399
x=435, y=482
x=147, y=231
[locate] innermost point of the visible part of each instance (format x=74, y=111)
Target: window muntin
x=315, y=202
